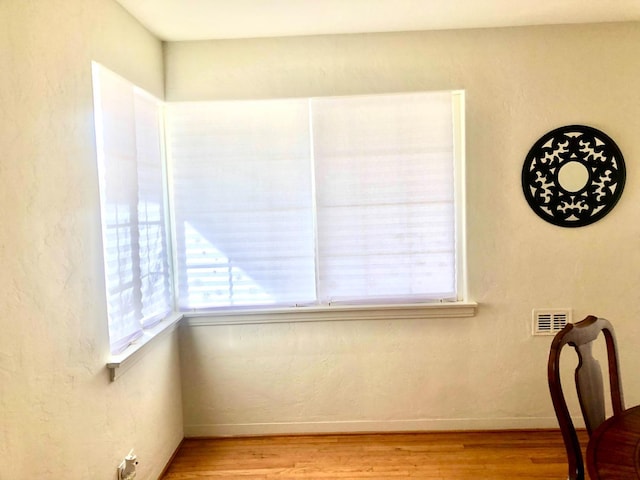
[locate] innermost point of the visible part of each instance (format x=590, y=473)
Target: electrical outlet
x=127, y=469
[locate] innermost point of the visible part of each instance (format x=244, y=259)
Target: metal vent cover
x=549, y=321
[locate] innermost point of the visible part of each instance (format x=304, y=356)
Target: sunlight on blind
x=299, y=202
x=212, y=279
x=132, y=199
x=155, y=286
x=243, y=205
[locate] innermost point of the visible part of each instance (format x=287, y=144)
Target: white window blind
x=385, y=197
x=242, y=194
x=285, y=202
x=130, y=166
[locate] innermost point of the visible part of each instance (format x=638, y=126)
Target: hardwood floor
x=522, y=455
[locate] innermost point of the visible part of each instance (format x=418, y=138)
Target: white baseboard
x=420, y=425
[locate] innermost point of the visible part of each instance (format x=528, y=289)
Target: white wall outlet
x=127, y=469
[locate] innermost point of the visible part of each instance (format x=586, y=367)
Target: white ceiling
x=177, y=20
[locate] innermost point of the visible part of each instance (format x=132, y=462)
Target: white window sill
x=334, y=313
x=119, y=364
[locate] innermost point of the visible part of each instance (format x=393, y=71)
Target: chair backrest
x=589, y=384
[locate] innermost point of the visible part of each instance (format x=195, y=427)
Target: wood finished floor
x=522, y=455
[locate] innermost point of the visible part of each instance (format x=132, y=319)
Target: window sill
x=334, y=313
x=119, y=364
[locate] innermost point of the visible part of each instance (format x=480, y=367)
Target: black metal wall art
x=573, y=176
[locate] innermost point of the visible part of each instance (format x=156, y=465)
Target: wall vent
x=549, y=321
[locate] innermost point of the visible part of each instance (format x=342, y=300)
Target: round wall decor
x=573, y=176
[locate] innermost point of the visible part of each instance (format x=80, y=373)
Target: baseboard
x=168, y=464
x=422, y=425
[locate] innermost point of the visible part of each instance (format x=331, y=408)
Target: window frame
x=463, y=307
x=460, y=308
x=459, y=223
x=145, y=150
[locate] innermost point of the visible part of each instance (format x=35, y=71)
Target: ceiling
x=181, y=20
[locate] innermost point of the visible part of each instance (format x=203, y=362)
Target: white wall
x=481, y=372
x=60, y=417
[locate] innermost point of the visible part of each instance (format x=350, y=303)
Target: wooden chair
x=588, y=378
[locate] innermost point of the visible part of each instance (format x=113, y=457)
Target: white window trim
x=119, y=364
x=460, y=184
x=333, y=313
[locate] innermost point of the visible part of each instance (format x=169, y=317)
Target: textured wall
x=482, y=372
x=60, y=417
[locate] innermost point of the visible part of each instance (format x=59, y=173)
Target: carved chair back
x=588, y=378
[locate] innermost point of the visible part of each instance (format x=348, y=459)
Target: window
x=242, y=185
x=132, y=195
x=317, y=201
x=276, y=203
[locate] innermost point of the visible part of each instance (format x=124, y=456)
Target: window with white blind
x=243, y=205
x=276, y=203
x=317, y=201
x=132, y=195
